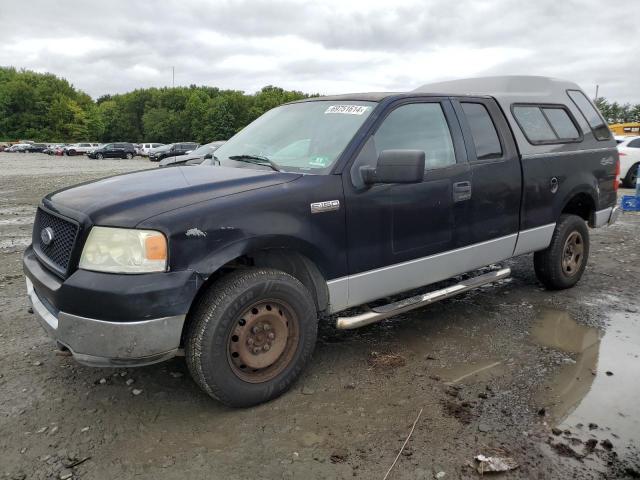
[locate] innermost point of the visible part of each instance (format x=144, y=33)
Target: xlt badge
x=328, y=206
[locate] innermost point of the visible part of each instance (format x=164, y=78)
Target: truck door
x=393, y=228
x=496, y=177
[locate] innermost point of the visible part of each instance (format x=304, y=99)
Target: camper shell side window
x=546, y=123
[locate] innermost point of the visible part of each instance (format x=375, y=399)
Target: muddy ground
x=551, y=379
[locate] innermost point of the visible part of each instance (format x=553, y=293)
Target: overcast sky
x=323, y=46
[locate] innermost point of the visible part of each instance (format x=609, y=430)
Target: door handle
x=461, y=191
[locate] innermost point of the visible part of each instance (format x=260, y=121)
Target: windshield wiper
x=256, y=160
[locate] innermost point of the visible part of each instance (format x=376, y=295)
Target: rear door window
x=485, y=136
x=634, y=143
x=591, y=115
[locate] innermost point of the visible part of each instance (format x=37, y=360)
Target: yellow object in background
x=628, y=129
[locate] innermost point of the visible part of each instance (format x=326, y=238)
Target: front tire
x=128, y=156
x=562, y=264
x=250, y=336
x=99, y=156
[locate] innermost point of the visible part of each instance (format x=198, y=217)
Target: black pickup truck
x=318, y=206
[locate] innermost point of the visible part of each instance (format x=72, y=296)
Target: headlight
x=124, y=250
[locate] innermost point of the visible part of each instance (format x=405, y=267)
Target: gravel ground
x=549, y=379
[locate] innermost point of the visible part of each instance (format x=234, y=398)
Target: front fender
x=212, y=262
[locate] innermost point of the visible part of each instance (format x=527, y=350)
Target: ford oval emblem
x=47, y=236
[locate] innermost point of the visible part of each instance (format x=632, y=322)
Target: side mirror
x=208, y=156
x=396, y=166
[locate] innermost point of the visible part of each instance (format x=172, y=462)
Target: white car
x=145, y=147
x=629, y=150
x=80, y=148
x=18, y=147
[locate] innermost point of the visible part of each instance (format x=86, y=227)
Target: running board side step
x=385, y=311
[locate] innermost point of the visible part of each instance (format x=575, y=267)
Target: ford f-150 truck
x=318, y=206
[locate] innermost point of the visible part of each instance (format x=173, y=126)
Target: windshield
x=300, y=137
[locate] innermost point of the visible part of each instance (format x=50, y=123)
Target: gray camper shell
x=523, y=90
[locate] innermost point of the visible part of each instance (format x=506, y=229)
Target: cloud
x=331, y=46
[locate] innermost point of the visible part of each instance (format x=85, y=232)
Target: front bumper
x=109, y=319
x=99, y=343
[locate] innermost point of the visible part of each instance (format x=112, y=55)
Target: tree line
x=46, y=108
x=43, y=107
x=613, y=112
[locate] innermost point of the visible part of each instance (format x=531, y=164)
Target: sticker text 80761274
x=347, y=109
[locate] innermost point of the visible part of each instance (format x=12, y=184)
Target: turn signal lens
x=155, y=247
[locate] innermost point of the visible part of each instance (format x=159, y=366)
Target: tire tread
x=210, y=309
x=547, y=263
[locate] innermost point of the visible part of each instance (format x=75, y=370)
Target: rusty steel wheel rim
x=573, y=254
x=263, y=341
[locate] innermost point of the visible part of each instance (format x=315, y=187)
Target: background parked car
x=80, y=148
x=59, y=150
x=172, y=150
x=629, y=150
x=145, y=148
x=18, y=147
x=114, y=150
x=153, y=151
x=36, y=148
x=55, y=149
x=194, y=158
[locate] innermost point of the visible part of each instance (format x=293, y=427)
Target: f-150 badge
x=328, y=206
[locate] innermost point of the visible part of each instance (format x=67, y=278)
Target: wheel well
x=291, y=262
x=581, y=204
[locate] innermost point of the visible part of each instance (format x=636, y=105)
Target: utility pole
x=597, y=87
x=173, y=78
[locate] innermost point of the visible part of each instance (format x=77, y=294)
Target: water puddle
x=597, y=395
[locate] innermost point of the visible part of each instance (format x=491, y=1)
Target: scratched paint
x=195, y=232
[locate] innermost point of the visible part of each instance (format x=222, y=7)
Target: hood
x=126, y=200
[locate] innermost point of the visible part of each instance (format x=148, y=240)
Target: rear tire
x=562, y=264
x=250, y=336
x=631, y=176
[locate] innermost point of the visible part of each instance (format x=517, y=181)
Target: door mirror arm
x=368, y=175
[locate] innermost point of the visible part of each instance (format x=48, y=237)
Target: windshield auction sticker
x=347, y=109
